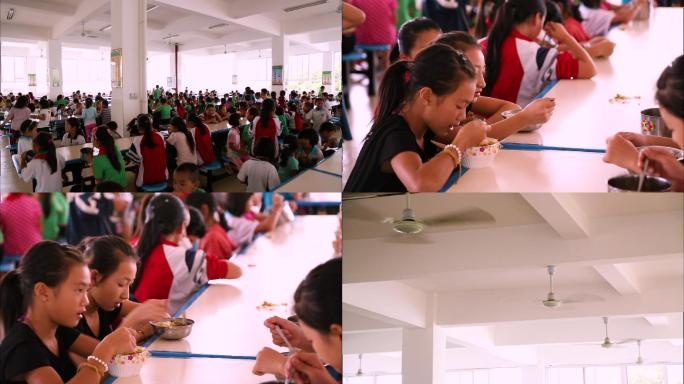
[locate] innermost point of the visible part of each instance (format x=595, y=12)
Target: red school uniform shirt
x=217, y=243
x=205, y=148
x=175, y=272
x=526, y=67
x=20, y=216
x=576, y=29
x=152, y=160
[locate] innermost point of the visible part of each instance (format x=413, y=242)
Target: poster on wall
x=277, y=78
x=117, y=72
x=327, y=77
x=55, y=78
x=234, y=79
x=170, y=82
x=31, y=79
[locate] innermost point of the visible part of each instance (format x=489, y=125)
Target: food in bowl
x=483, y=155
x=529, y=128
x=630, y=183
x=173, y=328
x=128, y=365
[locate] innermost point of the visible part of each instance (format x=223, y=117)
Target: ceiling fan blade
x=465, y=216
x=359, y=212
x=582, y=298
x=408, y=239
x=363, y=196
x=387, y=220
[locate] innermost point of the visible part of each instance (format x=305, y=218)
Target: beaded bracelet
x=99, y=361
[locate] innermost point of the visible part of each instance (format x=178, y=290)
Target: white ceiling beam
x=481, y=339
x=561, y=212
x=619, y=278
x=408, y=306
x=24, y=32
x=44, y=6
x=377, y=341
x=657, y=321
x=84, y=11
x=242, y=8
x=309, y=24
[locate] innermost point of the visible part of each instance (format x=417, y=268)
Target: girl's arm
x=587, y=68
x=492, y=107
x=234, y=271
x=84, y=345
x=351, y=16
x=640, y=140
x=269, y=222
x=422, y=177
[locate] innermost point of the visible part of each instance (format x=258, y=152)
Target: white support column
x=129, y=22
x=423, y=355
x=31, y=68
x=55, y=74
x=280, y=53
x=328, y=57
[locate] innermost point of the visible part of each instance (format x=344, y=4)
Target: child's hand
x=621, y=152
x=278, y=200
x=637, y=139
x=122, y=340
x=539, y=111
x=558, y=32
x=661, y=163
x=290, y=330
x=151, y=310
x=603, y=48
x=307, y=368
x=471, y=134
x=270, y=361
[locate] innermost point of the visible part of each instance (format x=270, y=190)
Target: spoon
x=287, y=343
x=642, y=176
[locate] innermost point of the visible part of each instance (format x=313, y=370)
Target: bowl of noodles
x=172, y=328
x=483, y=155
x=128, y=364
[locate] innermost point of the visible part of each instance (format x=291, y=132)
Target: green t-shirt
x=63, y=102
x=157, y=93
x=165, y=111
x=58, y=217
x=201, y=107
x=245, y=136
x=283, y=125
x=103, y=169
x=188, y=108
x=285, y=172
x=406, y=10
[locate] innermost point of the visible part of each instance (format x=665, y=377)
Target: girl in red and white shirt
x=202, y=135
x=169, y=268
x=152, y=150
x=518, y=68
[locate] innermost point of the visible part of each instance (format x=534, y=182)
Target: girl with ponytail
x=170, y=268
x=108, y=165
x=152, y=149
x=41, y=303
x=181, y=139
x=598, y=46
x=202, y=136
x=216, y=241
x=419, y=101
x=518, y=68
x=45, y=166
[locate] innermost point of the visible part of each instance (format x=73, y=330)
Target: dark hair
x=328, y=127
x=46, y=203
x=571, y=8
x=44, y=104
x=44, y=142
x=236, y=203
x=197, y=199
x=22, y=102
x=408, y=34
x=254, y=111
x=310, y=135
x=143, y=122
x=553, y=13
x=290, y=145
x=105, y=104
x=318, y=298
x=460, y=41
x=88, y=102
x=509, y=14
x=267, y=108
x=234, y=119
x=196, y=226
x=107, y=142
x=132, y=127
x=164, y=214
x=404, y=79
x=189, y=168
x=198, y=123
x=591, y=3
x=670, y=88
x=105, y=253
x=279, y=111
x=180, y=125
x=27, y=125
x=265, y=149
x=112, y=125
x=45, y=262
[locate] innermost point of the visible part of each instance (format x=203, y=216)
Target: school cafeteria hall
x=170, y=95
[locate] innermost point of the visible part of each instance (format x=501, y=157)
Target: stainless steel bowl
x=529, y=128
x=630, y=183
x=180, y=329
x=652, y=123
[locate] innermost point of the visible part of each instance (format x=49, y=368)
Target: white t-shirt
x=66, y=141
x=44, y=123
x=45, y=180
x=318, y=117
x=180, y=142
x=261, y=176
x=596, y=21
x=24, y=143
x=241, y=230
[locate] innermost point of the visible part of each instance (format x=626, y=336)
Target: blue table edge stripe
x=305, y=171
x=546, y=89
x=536, y=147
x=326, y=172
x=453, y=178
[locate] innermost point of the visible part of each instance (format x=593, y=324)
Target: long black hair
x=143, y=122
x=318, y=298
x=571, y=8
x=553, y=13
x=105, y=253
x=404, y=79
x=459, y=40
x=267, y=109
x=106, y=141
x=163, y=215
x=74, y=122
x=198, y=123
x=46, y=203
x=27, y=125
x=22, y=102
x=197, y=199
x=408, y=34
x=180, y=125
x=670, y=88
x=45, y=144
x=509, y=14
x=236, y=203
x=45, y=262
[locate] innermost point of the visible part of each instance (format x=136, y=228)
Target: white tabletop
x=540, y=171
x=195, y=370
x=584, y=117
x=227, y=320
x=73, y=152
x=313, y=181
x=332, y=164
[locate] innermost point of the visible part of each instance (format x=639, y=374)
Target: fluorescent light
x=218, y=25
x=10, y=14
x=306, y=5
x=170, y=36
x=152, y=8
x=105, y=28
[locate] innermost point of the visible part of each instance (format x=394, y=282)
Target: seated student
x=108, y=165
x=308, y=152
x=44, y=114
x=72, y=136
x=28, y=131
x=234, y=152
x=203, y=143
x=180, y=110
x=244, y=222
x=113, y=265
x=317, y=335
x=105, y=113
x=164, y=112
x=223, y=113
x=318, y=115
x=113, y=127
x=182, y=140
x=186, y=179
x=489, y=108
x=413, y=36
x=416, y=103
x=265, y=125
x=512, y=42
x=599, y=15
x=331, y=138
x=45, y=166
x=259, y=173
x=211, y=116
x=288, y=166
x=151, y=150
x=40, y=304
x=598, y=46
x=196, y=228
x=623, y=147
x=284, y=128
x=216, y=241
x=169, y=270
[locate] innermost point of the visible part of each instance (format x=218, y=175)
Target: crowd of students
x=87, y=287
x=446, y=89
x=269, y=138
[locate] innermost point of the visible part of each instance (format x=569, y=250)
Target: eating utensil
x=287, y=343
x=642, y=175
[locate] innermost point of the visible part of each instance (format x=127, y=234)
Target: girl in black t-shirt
x=40, y=304
x=419, y=101
x=113, y=265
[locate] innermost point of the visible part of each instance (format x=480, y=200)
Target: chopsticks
x=287, y=343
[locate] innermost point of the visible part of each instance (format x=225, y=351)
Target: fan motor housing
x=409, y=227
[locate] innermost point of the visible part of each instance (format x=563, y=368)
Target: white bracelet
x=458, y=151
x=99, y=361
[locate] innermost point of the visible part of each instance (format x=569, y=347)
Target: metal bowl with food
x=630, y=183
x=529, y=128
x=172, y=328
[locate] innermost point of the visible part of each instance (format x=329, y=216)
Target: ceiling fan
x=85, y=33
x=552, y=302
x=607, y=343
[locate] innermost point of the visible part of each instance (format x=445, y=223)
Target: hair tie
x=407, y=76
x=49, y=141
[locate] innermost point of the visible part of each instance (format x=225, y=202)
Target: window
x=564, y=375
x=646, y=374
x=13, y=68
x=486, y=376
x=674, y=374
x=603, y=375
